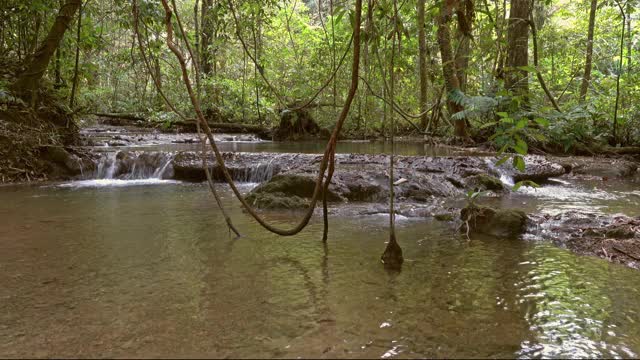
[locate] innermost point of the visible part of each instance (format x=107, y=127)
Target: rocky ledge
x=360, y=177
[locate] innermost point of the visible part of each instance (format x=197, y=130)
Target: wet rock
x=484, y=182
x=263, y=200
x=538, y=169
x=615, y=238
x=444, y=217
x=286, y=191
x=489, y=221
x=601, y=167
x=187, y=166
x=361, y=177
x=65, y=163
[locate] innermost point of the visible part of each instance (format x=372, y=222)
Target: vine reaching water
x=181, y=115
x=331, y=145
x=392, y=256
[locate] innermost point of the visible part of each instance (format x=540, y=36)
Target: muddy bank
x=39, y=143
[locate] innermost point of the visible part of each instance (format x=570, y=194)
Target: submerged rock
x=489, y=221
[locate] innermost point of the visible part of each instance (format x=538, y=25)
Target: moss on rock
x=485, y=182
x=499, y=223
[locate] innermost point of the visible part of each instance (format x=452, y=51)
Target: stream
x=145, y=267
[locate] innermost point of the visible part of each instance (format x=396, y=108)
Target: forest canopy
x=558, y=75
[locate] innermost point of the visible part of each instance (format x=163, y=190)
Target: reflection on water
x=315, y=147
x=152, y=271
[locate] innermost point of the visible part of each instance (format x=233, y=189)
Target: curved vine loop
x=331, y=144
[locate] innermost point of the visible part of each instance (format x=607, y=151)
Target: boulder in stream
x=485, y=182
x=538, y=169
x=287, y=191
x=494, y=222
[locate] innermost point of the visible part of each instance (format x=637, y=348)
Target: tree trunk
x=58, y=76
x=448, y=66
x=29, y=80
x=74, y=86
x=206, y=37
x=586, y=78
x=422, y=64
x=630, y=35
x=465, y=26
x=619, y=74
x=462, y=60
x=516, y=80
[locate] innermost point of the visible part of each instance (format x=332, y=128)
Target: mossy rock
x=485, y=182
x=293, y=185
x=499, y=223
x=444, y=217
x=286, y=191
x=276, y=201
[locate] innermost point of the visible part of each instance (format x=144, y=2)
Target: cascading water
x=258, y=174
x=505, y=177
x=126, y=165
x=124, y=168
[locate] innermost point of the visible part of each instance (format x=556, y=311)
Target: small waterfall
x=258, y=174
x=130, y=165
x=505, y=177
x=106, y=166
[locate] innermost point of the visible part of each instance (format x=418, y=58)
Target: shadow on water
x=152, y=271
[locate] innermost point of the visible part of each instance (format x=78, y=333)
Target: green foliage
x=475, y=107
x=472, y=197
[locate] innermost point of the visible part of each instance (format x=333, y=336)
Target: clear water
x=312, y=147
x=144, y=271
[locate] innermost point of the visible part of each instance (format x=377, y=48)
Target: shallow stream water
x=93, y=269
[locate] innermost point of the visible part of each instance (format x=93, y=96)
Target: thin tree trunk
x=448, y=66
x=74, y=86
x=196, y=22
x=29, y=80
x=333, y=57
x=543, y=84
x=586, y=78
x=615, y=110
x=366, y=68
x=465, y=26
x=58, y=76
x=206, y=37
x=422, y=64
x=630, y=35
x=516, y=79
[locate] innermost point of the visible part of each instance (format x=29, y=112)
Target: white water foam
x=96, y=183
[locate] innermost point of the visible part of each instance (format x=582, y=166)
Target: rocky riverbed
x=428, y=187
